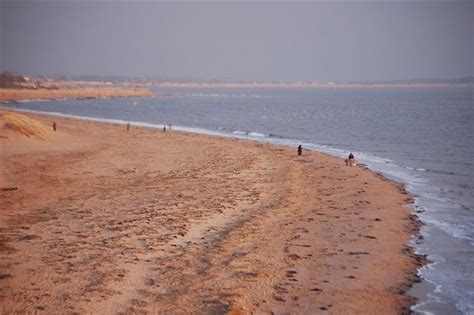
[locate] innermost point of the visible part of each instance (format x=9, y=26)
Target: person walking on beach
x=164, y=128
x=300, y=150
x=128, y=127
x=54, y=125
x=350, y=160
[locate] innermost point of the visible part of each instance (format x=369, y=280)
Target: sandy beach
x=95, y=219
x=79, y=92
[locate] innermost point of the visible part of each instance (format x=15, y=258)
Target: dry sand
x=98, y=220
x=16, y=94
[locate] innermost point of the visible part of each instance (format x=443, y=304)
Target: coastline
x=10, y=95
x=269, y=208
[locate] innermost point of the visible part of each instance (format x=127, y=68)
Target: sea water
x=421, y=137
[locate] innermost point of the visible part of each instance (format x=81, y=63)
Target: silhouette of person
x=300, y=150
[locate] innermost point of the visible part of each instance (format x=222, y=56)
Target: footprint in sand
x=291, y=273
x=294, y=257
x=370, y=236
x=280, y=289
x=279, y=298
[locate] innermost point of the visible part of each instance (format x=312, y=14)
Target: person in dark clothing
x=300, y=150
x=350, y=161
x=54, y=126
x=128, y=127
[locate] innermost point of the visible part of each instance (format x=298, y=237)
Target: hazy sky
x=240, y=41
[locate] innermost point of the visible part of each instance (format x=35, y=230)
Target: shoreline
x=13, y=95
x=294, y=193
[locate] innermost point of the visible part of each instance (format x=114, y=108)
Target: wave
x=240, y=133
x=257, y=135
x=33, y=100
x=251, y=134
x=457, y=231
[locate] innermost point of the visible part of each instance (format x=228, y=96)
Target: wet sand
x=98, y=220
x=18, y=94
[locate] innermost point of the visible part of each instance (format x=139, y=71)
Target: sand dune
x=18, y=123
x=105, y=221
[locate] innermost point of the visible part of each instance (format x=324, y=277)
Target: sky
x=350, y=41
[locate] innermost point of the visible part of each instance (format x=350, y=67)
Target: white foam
x=33, y=100
x=239, y=132
x=257, y=134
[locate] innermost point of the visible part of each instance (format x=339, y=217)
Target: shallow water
x=422, y=137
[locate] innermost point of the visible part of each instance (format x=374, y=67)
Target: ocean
x=421, y=137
